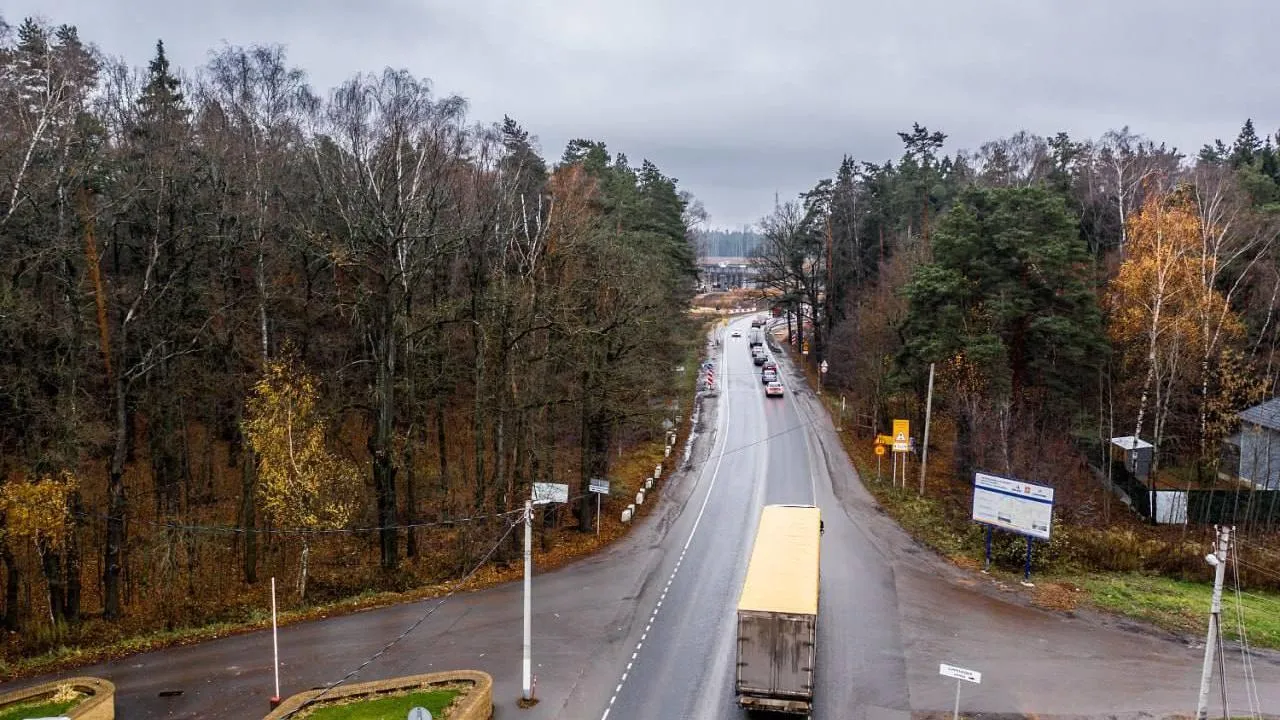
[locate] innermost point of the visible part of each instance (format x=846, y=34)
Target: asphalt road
x=644, y=629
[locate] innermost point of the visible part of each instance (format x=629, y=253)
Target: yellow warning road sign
x=901, y=433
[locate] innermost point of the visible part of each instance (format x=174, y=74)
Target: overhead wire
x=1246, y=656
x=413, y=626
x=227, y=530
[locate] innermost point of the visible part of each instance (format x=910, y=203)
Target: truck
x=777, y=615
x=756, y=338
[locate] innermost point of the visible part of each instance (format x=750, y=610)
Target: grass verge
x=1184, y=606
x=44, y=708
x=940, y=520
x=387, y=707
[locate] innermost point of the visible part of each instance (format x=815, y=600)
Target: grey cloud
x=739, y=98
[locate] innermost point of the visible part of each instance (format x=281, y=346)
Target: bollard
x=640, y=498
x=626, y=515
x=667, y=452
x=648, y=484
x=657, y=470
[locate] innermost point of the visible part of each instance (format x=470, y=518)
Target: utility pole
x=928, y=415
x=1218, y=560
x=527, y=668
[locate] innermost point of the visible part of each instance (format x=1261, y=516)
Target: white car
x=736, y=333
x=773, y=388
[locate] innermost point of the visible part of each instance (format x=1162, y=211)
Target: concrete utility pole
x=1219, y=562
x=928, y=415
x=527, y=667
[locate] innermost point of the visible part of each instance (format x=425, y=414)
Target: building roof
x=1267, y=414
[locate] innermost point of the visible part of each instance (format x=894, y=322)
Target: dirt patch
x=1057, y=596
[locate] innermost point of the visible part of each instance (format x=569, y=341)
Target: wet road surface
x=657, y=608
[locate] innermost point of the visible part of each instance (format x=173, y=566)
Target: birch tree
x=303, y=486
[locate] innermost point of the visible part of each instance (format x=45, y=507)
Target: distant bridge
x=727, y=272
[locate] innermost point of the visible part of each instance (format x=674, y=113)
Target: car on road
x=769, y=365
x=769, y=376
x=736, y=333
x=773, y=388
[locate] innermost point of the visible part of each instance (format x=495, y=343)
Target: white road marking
x=715, y=474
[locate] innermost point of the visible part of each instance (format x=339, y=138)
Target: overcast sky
x=740, y=99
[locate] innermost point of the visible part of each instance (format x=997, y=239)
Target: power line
x=421, y=619
x=1250, y=679
x=299, y=532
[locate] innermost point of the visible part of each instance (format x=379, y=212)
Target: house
x=1259, y=445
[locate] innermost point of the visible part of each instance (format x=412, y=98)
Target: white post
x=275, y=643
x=527, y=668
x=928, y=415
x=955, y=715
x=840, y=425
x=1219, y=562
x=597, y=514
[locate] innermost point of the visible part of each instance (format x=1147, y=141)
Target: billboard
x=1013, y=505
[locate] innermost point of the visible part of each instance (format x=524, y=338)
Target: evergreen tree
x=1247, y=146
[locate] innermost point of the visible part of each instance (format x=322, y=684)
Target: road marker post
x=275, y=645
x=961, y=675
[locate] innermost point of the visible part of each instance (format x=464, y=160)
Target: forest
x=248, y=329
x=1066, y=291
x=727, y=243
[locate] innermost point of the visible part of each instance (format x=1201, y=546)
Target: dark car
x=769, y=376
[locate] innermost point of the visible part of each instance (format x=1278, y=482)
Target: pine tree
x=1247, y=146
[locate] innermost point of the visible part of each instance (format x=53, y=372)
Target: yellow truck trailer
x=778, y=612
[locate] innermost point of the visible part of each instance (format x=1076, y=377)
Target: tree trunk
x=248, y=514
x=72, y=566
x=302, y=570
x=51, y=566
x=12, y=587
x=410, y=493
x=380, y=444
x=964, y=443
x=442, y=453
x=113, y=551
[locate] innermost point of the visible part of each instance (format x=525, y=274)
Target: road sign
x=879, y=449
x=599, y=485
x=1021, y=507
x=884, y=439
x=544, y=493
x=823, y=367
x=419, y=713
x=901, y=433
x=960, y=673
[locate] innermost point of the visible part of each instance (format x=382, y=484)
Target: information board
x=544, y=493
x=1015, y=505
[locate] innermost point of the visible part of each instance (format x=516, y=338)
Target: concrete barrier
x=626, y=515
x=640, y=498
x=477, y=704
x=667, y=452
x=657, y=471
x=648, y=484
x=100, y=705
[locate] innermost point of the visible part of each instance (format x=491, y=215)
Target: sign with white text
x=1014, y=505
